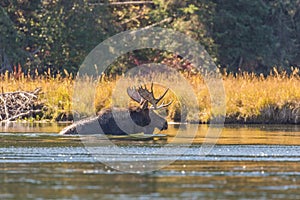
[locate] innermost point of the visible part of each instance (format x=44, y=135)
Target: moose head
x=145, y=116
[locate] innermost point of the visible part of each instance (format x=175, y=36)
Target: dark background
x=240, y=35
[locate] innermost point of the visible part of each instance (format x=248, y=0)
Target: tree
x=296, y=19
x=239, y=35
x=10, y=51
x=59, y=34
x=243, y=35
x=283, y=19
x=68, y=31
x=192, y=17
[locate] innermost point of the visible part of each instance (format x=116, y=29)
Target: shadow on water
x=248, y=162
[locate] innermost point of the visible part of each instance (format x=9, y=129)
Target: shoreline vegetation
x=250, y=98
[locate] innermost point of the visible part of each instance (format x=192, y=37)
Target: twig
x=17, y=93
x=5, y=107
x=21, y=115
x=131, y=19
x=168, y=20
x=121, y=3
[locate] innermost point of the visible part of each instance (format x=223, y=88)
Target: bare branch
x=121, y=3
x=5, y=107
x=167, y=20
x=21, y=115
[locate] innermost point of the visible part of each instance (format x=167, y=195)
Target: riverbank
x=249, y=98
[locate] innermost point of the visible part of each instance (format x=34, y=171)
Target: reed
x=56, y=91
x=249, y=98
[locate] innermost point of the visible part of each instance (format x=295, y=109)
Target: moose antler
x=134, y=94
x=142, y=95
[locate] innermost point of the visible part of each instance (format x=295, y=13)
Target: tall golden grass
x=56, y=90
x=249, y=98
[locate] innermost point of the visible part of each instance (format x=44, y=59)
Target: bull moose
x=121, y=121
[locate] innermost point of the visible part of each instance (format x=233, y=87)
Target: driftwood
x=15, y=105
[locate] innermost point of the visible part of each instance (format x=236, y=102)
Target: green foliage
x=239, y=35
x=60, y=33
x=286, y=26
x=242, y=33
x=10, y=51
x=192, y=17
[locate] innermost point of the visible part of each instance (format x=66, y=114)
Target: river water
x=247, y=162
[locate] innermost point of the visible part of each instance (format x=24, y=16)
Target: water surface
x=248, y=162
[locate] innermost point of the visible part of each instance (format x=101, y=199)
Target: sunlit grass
x=248, y=96
x=56, y=91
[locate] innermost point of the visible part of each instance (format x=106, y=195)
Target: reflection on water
x=246, y=134
x=34, y=127
x=248, y=162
